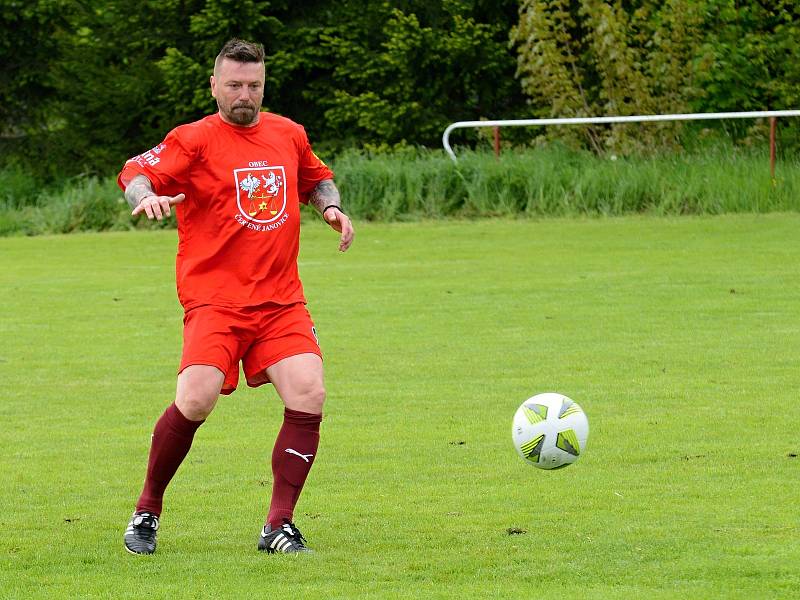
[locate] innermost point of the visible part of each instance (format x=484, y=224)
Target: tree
x=365, y=72
x=594, y=58
x=408, y=83
x=27, y=47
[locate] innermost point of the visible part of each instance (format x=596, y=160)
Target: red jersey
x=239, y=226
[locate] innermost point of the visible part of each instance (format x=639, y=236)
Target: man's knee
x=309, y=398
x=299, y=382
x=317, y=398
x=195, y=406
x=198, y=390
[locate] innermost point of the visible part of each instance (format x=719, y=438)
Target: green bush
x=554, y=180
x=425, y=184
x=84, y=204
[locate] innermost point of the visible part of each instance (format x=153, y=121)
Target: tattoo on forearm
x=325, y=194
x=138, y=188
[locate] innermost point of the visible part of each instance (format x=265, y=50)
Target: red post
x=496, y=142
x=773, y=122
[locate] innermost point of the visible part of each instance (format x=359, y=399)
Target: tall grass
x=426, y=184
x=556, y=181
x=84, y=204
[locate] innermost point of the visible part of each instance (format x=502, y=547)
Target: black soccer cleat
x=286, y=539
x=140, y=536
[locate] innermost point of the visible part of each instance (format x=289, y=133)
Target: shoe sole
x=272, y=551
x=137, y=553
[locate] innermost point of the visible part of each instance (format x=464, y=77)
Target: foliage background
x=110, y=78
x=86, y=84
x=589, y=57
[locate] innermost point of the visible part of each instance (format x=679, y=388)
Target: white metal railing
x=598, y=120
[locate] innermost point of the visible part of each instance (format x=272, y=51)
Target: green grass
x=678, y=336
x=418, y=184
x=553, y=180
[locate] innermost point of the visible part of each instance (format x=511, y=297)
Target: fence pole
x=773, y=123
x=496, y=142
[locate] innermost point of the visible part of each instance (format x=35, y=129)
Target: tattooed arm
x=138, y=188
x=325, y=195
x=325, y=198
x=142, y=199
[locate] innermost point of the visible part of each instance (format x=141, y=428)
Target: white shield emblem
x=261, y=193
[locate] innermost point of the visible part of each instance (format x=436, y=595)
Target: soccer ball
x=550, y=431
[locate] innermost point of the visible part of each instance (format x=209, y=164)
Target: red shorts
x=257, y=336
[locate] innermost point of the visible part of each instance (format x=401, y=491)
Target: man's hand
x=341, y=223
x=325, y=198
x=157, y=207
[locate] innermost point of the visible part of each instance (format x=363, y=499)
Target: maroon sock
x=292, y=457
x=172, y=438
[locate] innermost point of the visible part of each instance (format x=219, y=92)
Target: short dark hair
x=241, y=51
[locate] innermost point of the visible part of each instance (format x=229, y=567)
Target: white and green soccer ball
x=550, y=431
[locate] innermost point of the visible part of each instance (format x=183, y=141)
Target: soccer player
x=235, y=180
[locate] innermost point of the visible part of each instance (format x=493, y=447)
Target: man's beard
x=241, y=114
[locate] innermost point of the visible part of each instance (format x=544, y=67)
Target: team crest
x=261, y=193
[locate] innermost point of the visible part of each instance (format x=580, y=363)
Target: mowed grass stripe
x=679, y=338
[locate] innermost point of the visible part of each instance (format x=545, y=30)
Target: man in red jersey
x=235, y=180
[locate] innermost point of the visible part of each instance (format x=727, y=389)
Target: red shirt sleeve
x=165, y=165
x=310, y=170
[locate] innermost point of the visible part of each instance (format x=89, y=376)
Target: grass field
x=680, y=337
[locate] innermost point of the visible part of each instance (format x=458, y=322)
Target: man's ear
x=213, y=83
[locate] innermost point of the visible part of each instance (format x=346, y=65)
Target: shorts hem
x=193, y=363
x=226, y=389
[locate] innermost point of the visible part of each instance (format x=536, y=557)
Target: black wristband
x=336, y=206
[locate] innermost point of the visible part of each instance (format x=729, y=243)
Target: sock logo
x=305, y=457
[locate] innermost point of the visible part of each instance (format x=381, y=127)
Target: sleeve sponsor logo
x=150, y=157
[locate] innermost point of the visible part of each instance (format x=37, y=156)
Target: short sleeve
x=164, y=165
x=310, y=170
